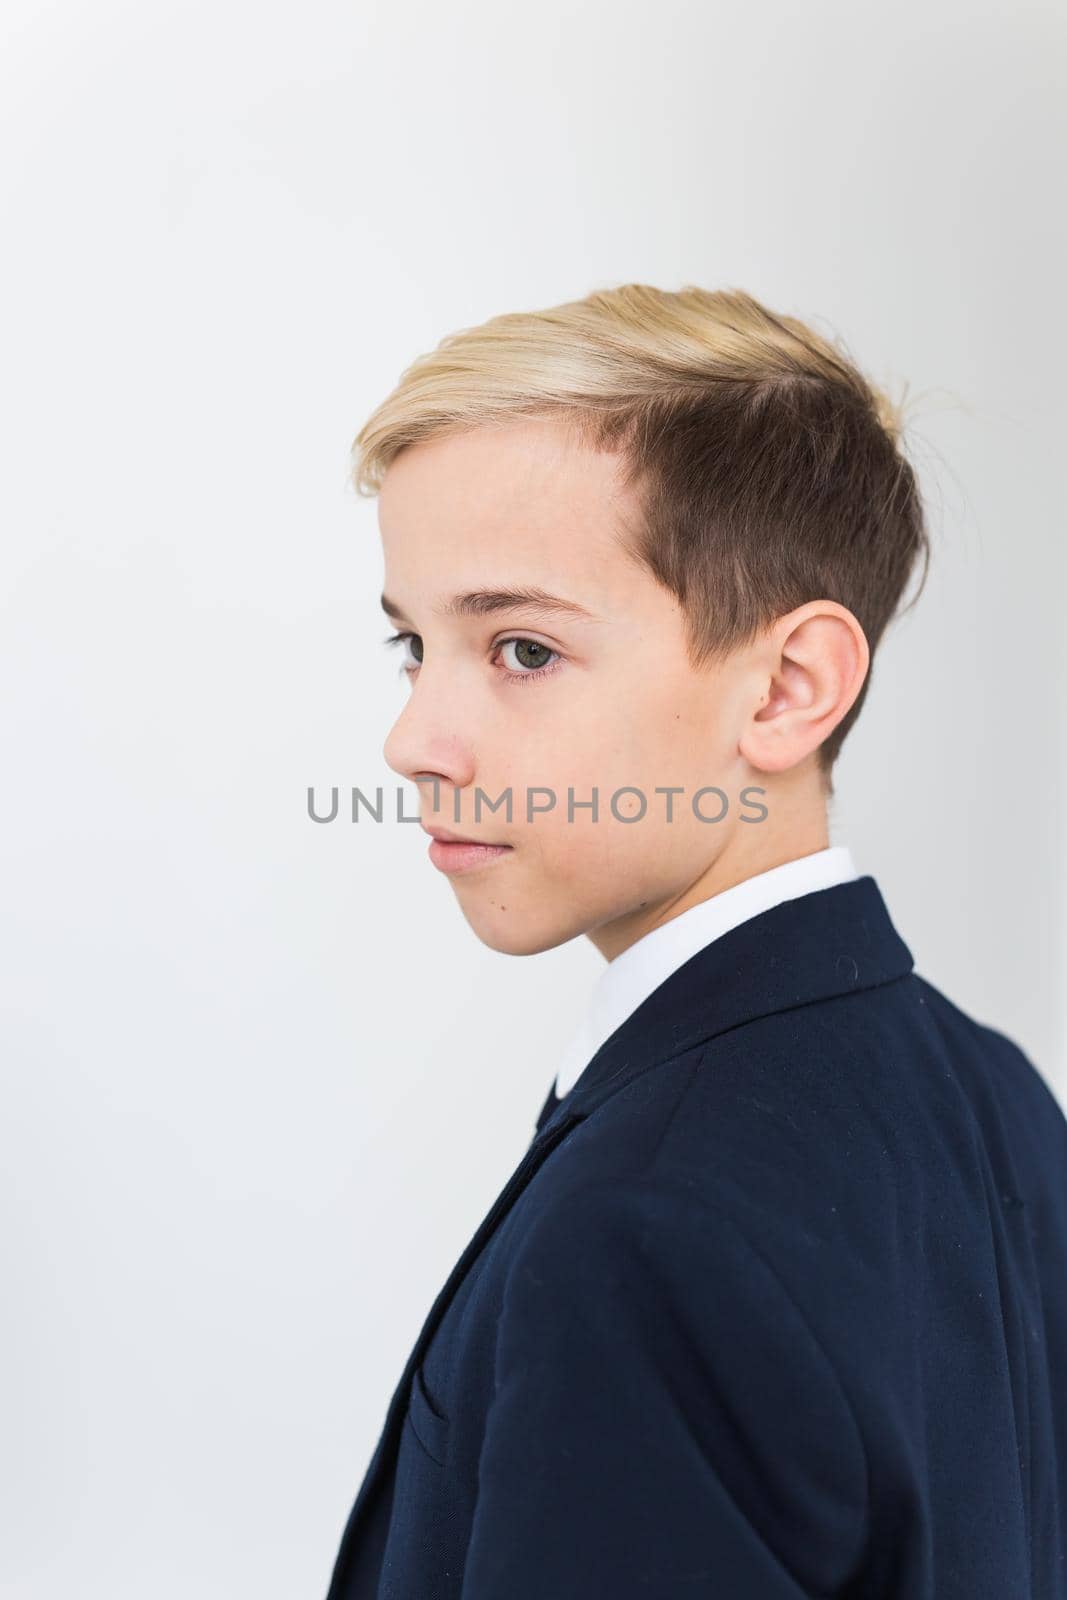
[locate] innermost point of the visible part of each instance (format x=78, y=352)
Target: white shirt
x=643, y=966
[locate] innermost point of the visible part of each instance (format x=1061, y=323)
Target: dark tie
x=547, y=1109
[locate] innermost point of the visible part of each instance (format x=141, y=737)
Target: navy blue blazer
x=774, y=1305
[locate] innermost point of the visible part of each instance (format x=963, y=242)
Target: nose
x=424, y=741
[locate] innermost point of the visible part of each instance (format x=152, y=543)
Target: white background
x=260, y=1081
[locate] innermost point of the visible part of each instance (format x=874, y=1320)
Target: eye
x=531, y=656
x=415, y=642
x=533, y=659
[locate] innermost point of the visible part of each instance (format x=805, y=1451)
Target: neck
x=796, y=825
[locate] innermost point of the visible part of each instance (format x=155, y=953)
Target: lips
x=448, y=837
x=453, y=854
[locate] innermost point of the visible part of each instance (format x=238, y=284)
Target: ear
x=811, y=671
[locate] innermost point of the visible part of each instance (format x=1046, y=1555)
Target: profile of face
x=591, y=689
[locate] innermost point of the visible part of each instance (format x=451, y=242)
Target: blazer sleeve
x=664, y=1422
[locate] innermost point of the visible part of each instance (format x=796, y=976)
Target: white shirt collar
x=642, y=967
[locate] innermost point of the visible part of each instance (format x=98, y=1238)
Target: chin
x=513, y=932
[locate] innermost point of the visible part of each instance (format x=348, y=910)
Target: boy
x=775, y=1304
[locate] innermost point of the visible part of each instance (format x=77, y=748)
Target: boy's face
x=606, y=700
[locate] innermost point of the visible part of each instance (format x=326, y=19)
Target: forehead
x=517, y=502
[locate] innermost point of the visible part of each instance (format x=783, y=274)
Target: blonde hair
x=769, y=469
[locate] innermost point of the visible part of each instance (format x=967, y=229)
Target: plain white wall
x=260, y=1082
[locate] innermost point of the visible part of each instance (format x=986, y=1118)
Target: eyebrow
x=486, y=602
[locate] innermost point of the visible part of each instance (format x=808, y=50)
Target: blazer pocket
x=428, y=1423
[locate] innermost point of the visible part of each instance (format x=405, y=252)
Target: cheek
x=599, y=859
x=648, y=731
x=615, y=747
x=688, y=742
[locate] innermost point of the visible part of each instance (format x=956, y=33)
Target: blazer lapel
x=831, y=942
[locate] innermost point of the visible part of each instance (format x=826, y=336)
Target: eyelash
x=515, y=638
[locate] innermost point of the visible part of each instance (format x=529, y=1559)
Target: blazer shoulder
x=1004, y=1058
